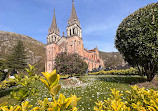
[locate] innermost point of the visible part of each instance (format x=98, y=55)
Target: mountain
x=112, y=59
x=35, y=49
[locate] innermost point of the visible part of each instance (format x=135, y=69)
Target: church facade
x=72, y=43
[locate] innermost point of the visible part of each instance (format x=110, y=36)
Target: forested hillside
x=35, y=49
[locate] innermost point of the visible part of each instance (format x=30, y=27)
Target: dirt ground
x=153, y=84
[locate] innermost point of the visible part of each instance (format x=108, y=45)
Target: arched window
x=49, y=66
x=77, y=32
x=71, y=47
x=52, y=50
x=74, y=45
x=70, y=31
x=73, y=30
x=53, y=37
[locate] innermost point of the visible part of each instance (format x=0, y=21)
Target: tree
x=3, y=73
x=17, y=59
x=137, y=40
x=70, y=64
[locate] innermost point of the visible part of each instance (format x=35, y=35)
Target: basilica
x=72, y=43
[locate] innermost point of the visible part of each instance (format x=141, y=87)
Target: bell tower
x=53, y=32
x=73, y=28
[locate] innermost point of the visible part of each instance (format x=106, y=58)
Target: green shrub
x=138, y=99
x=136, y=39
x=3, y=74
x=51, y=81
x=27, y=88
x=130, y=71
x=7, y=84
x=70, y=64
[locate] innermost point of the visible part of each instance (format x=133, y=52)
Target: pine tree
x=3, y=74
x=17, y=59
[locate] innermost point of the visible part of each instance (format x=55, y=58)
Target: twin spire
x=54, y=28
x=54, y=24
x=73, y=19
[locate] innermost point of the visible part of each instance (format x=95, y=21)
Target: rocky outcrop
x=35, y=49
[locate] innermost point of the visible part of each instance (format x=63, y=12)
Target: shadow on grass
x=123, y=79
x=7, y=91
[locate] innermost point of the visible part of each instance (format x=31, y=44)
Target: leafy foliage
x=136, y=40
x=25, y=106
x=7, y=84
x=17, y=58
x=27, y=89
x=134, y=100
x=112, y=59
x=130, y=71
x=51, y=81
x=138, y=99
x=3, y=74
x=70, y=64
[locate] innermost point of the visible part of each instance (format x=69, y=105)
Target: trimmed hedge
x=130, y=71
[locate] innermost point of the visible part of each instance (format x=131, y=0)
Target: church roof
x=93, y=50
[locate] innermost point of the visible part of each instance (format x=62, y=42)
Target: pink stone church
x=72, y=43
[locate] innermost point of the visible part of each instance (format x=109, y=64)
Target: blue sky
x=99, y=19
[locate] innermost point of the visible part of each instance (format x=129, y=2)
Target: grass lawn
x=89, y=88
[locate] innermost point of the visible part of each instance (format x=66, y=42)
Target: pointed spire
x=54, y=24
x=73, y=19
x=54, y=28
